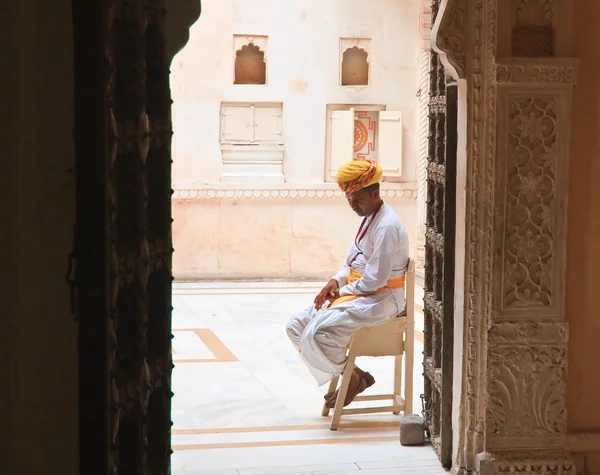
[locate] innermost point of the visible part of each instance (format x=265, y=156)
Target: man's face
x=363, y=202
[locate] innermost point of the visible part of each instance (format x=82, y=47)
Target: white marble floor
x=245, y=404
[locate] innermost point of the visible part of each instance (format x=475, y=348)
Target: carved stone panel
x=530, y=189
x=527, y=365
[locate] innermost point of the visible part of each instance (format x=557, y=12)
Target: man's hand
x=329, y=292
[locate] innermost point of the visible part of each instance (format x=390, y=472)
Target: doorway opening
x=260, y=225
x=256, y=216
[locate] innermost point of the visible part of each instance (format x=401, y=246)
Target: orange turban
x=358, y=174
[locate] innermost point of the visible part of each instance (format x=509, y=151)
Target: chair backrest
x=409, y=292
x=388, y=338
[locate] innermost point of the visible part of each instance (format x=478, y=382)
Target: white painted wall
x=303, y=68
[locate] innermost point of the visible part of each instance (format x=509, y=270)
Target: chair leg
x=339, y=403
x=332, y=387
x=397, y=384
x=409, y=361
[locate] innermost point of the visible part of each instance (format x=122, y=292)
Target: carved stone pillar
x=528, y=335
x=423, y=94
x=513, y=57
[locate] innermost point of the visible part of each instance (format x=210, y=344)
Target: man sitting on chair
x=367, y=291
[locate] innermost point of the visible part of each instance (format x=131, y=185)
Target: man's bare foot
x=359, y=381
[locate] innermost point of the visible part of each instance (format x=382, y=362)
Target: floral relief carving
x=527, y=379
x=529, y=333
x=554, y=71
x=530, y=206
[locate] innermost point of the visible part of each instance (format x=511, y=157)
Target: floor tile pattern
x=245, y=404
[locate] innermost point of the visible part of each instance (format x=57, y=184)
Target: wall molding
x=291, y=192
x=536, y=70
x=584, y=442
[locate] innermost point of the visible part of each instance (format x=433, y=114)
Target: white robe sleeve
x=342, y=276
x=379, y=267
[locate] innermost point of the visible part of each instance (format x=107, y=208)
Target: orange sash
x=397, y=283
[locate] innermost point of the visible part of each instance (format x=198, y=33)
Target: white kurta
x=381, y=255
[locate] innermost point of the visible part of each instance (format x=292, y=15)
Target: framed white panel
x=237, y=124
x=341, y=139
x=268, y=125
x=390, y=143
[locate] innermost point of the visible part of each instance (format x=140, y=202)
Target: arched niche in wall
x=354, y=62
x=250, y=60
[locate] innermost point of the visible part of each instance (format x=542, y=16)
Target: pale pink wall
x=293, y=239
x=302, y=73
x=266, y=239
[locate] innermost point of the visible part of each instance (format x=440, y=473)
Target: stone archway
x=509, y=308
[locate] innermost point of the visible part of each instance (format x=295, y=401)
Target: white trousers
x=321, y=336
